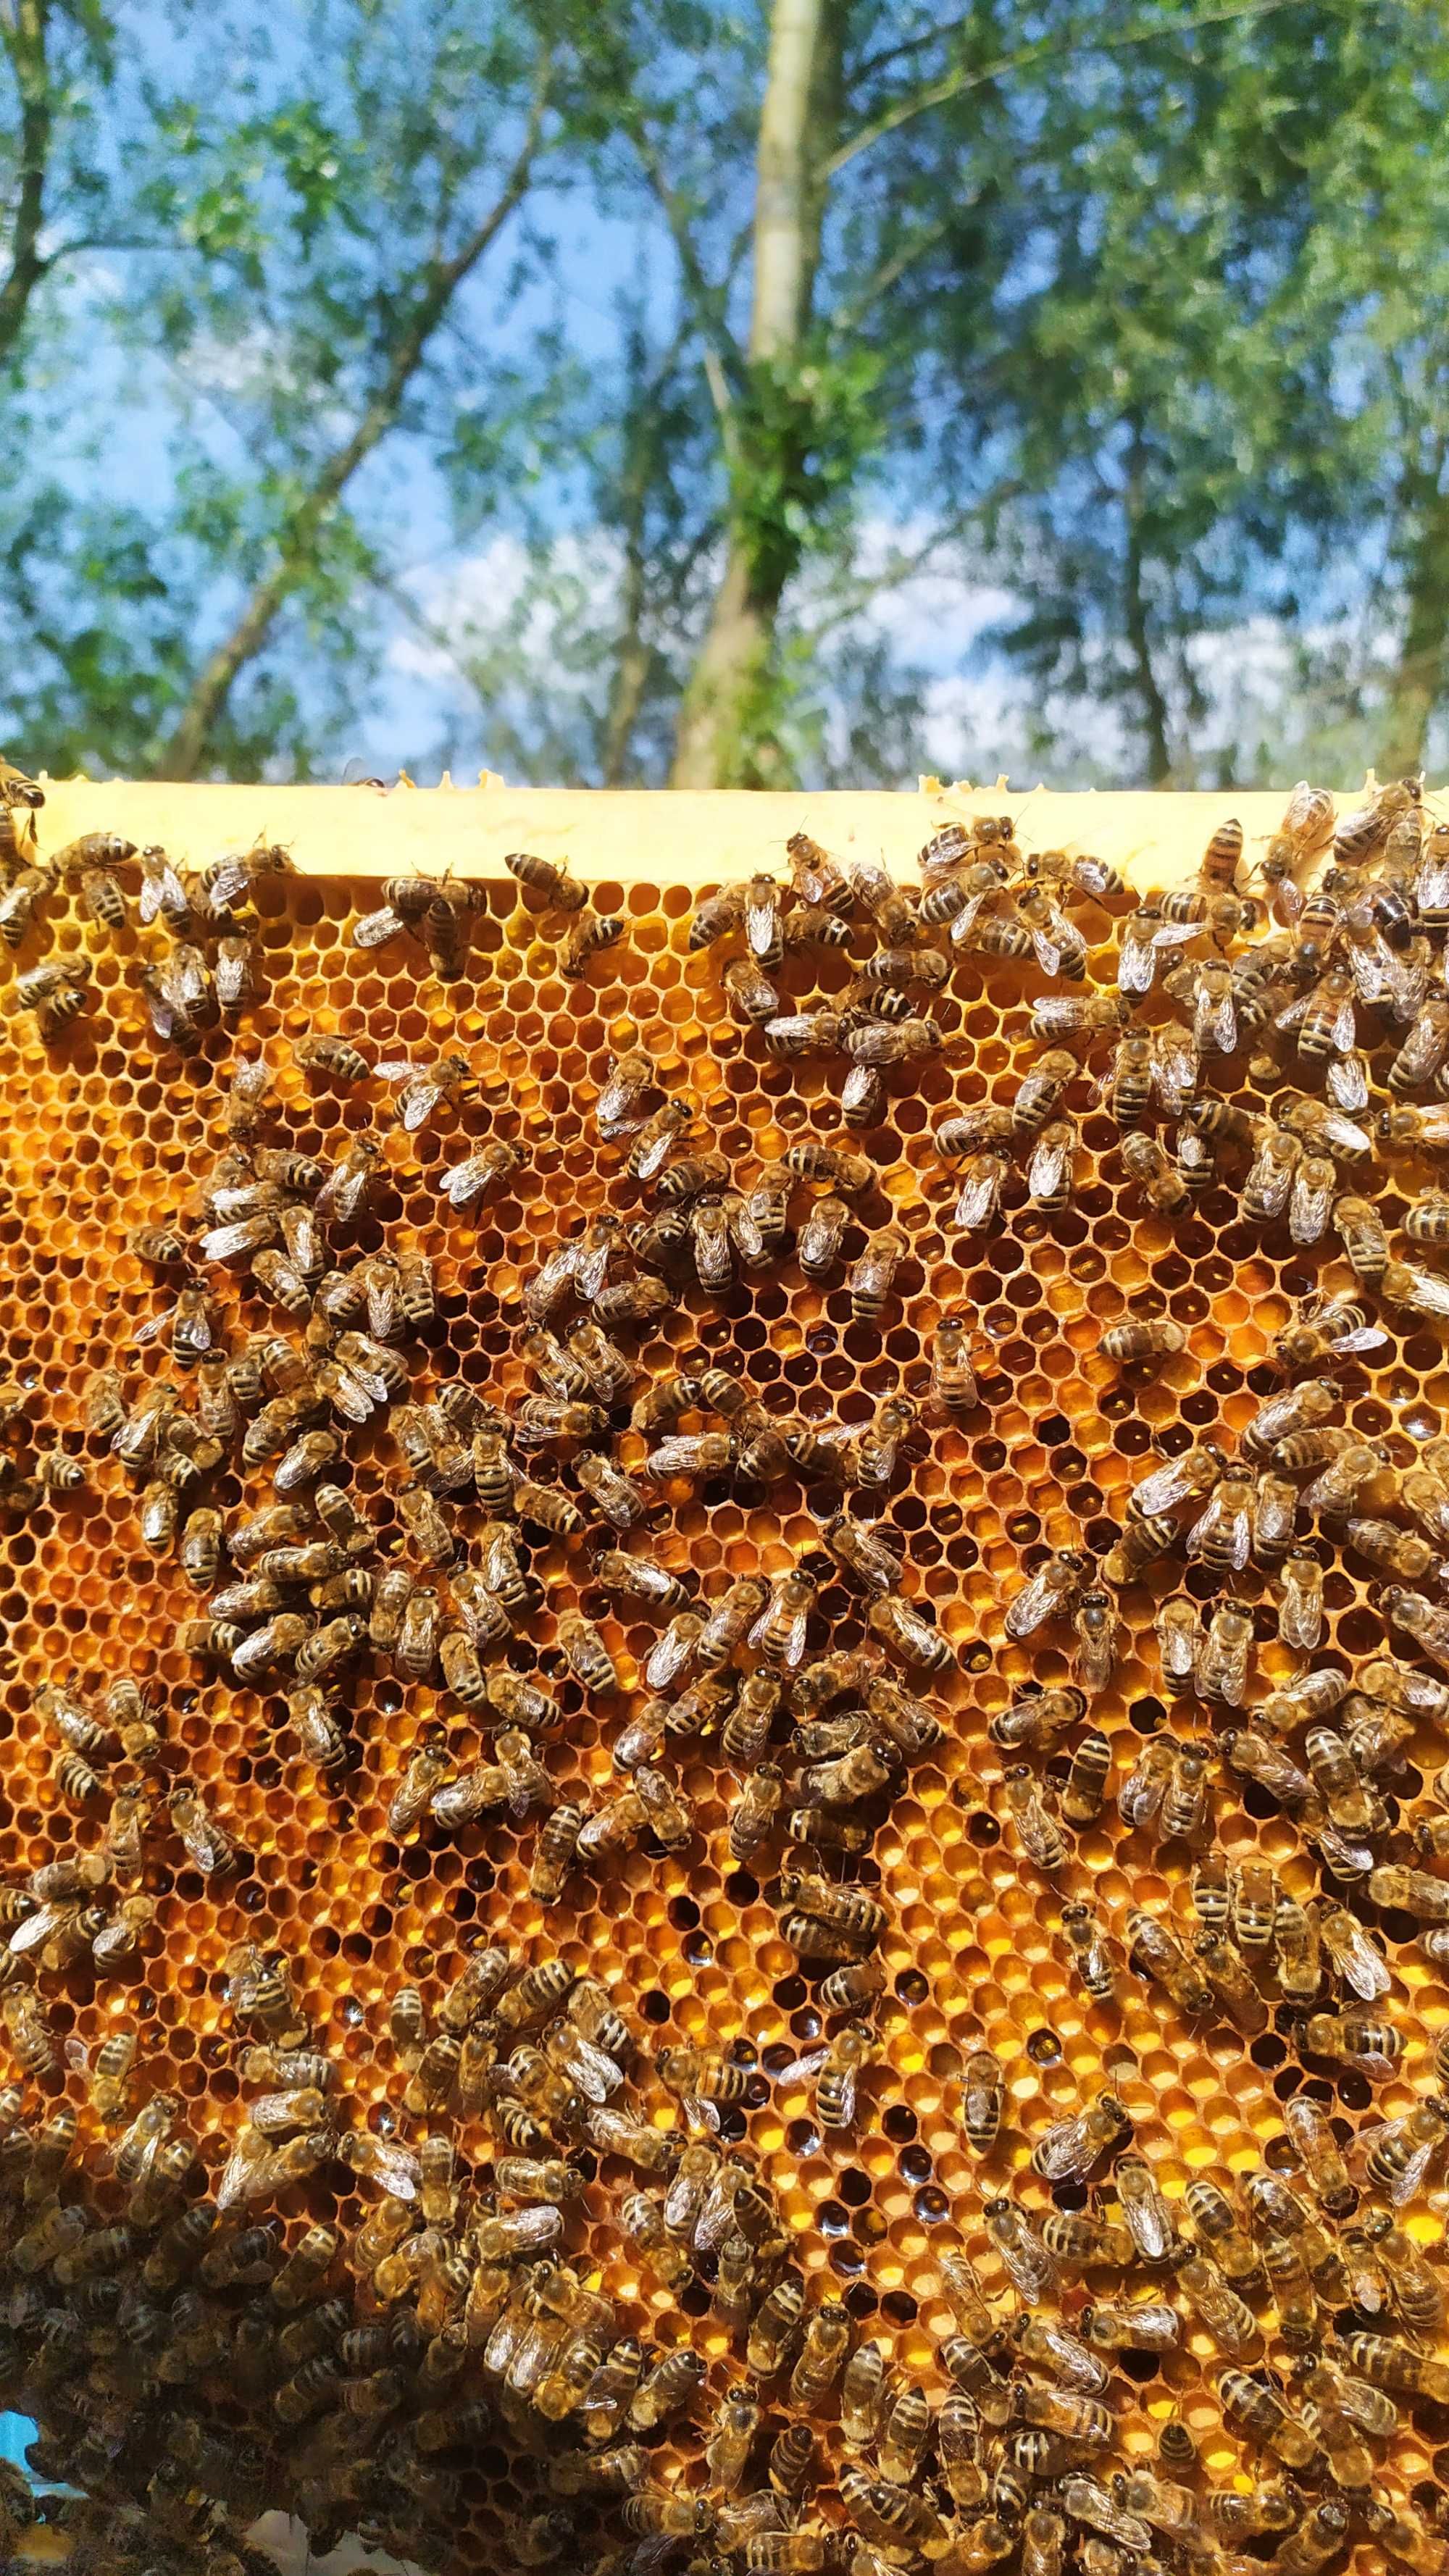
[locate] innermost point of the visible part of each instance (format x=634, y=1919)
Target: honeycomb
x=109, y=1129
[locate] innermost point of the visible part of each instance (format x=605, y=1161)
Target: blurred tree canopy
x=819, y=390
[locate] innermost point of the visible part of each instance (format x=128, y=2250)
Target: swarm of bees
x=496, y=2208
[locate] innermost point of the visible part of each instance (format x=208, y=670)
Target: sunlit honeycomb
x=107, y=1130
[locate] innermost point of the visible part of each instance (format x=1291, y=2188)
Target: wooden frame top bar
x=633, y=836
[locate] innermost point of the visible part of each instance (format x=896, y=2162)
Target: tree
x=386, y=187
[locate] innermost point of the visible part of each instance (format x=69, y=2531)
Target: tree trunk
x=1422, y=677
x=1139, y=640
x=797, y=120
x=24, y=38
x=432, y=292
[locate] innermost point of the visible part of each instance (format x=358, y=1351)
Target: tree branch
x=707, y=300
x=847, y=316
x=24, y=38
x=956, y=83
x=440, y=280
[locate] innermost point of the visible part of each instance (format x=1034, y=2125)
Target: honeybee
x=1071, y=2147
x=1040, y=1835
x=1222, y=1670
x=1156, y=1949
x=873, y=1274
x=1146, y=2325
x=1222, y=1535
x=1030, y=2266
x=546, y=878
x=1351, y=1952
x=1090, y=1951
x=1373, y=2047
x=1050, y=1166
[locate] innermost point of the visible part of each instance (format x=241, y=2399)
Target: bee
x=1051, y=1165
x=1225, y=2316
x=1031, y=2268
x=1222, y=1671
x=1157, y=1951
x=891, y=2517
x=1260, y=2414
x=591, y=932
x=1179, y=1641
x=1089, y=1948
x=1053, y=1592
x=871, y=1278
x=1351, y=2039
x=1071, y=2147
x=1395, y=2369
x=28, y=2031
x=980, y=1195
x=1143, y=1790
x=1148, y=1341
x=838, y=2078
x=1351, y=1953
x=1296, y=1942
x=543, y=877
x=1184, y=1802
x=1040, y=1835
x=1222, y=1536
x=1415, y=2290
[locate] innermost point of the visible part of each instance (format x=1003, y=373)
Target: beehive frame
x=101, y=1133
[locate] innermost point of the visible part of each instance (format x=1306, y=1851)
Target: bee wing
x=1174, y=1069
x=1048, y=948
x=76, y=2054
x=980, y=1191
x=1168, y=935
x=1158, y=1492
x=1369, y=963
x=1344, y=1134
x=375, y=929
x=1432, y=891
x=350, y=1393
x=1357, y=1964
x=1032, y=1606
x=1050, y=1166
x=794, y=1653
x=249, y=1234
x=1217, y=1021
x=1300, y=1613
x=159, y=1324
x=591, y=1269
x=1407, y=981
x=1343, y=1028
x=418, y=1102
x=1311, y=1198
x=38, y=1928
x=761, y=917
x=801, y=2069
x=1367, y=1337
x=1068, y=2151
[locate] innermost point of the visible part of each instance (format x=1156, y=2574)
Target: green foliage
x=1135, y=316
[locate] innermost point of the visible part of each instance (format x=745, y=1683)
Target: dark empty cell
x=1052, y=1430
x=898, y=2308
x=982, y=1829
x=1267, y=2051
x=683, y=1913
x=741, y=1889
x=790, y=1993
x=654, y=2006
x=899, y=2125
x=915, y=2164
x=1070, y=2196
x=832, y=2215
x=803, y=2139
x=855, y=2186
x=912, y=1987
x=1148, y=1715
